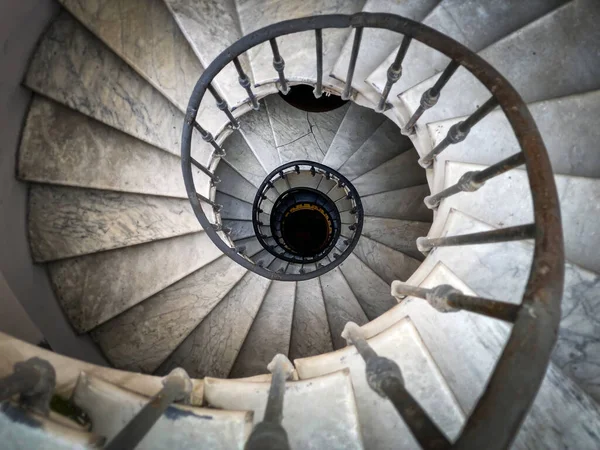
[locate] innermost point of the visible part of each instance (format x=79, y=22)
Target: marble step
x=402, y=204
x=256, y=128
x=240, y=156
x=142, y=337
x=341, y=305
x=310, y=329
x=233, y=208
x=64, y=222
x=211, y=348
x=567, y=125
x=235, y=185
x=110, y=408
x=377, y=44
x=240, y=229
x=62, y=146
x=401, y=235
x=356, y=128
x=298, y=49
x=94, y=288
x=381, y=425
x=506, y=201
x=400, y=172
x=482, y=266
x=384, y=144
x=270, y=332
x=370, y=290
x=473, y=24
x=250, y=245
x=75, y=68
x=528, y=63
x=263, y=258
x=387, y=263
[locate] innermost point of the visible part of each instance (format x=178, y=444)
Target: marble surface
x=240, y=229
x=318, y=413
x=270, y=332
x=372, y=292
x=240, y=156
x=142, y=337
x=65, y=222
x=400, y=235
x=382, y=427
x=384, y=144
x=341, y=305
x=304, y=179
x=255, y=126
x=75, y=68
x=404, y=204
x=233, y=208
x=94, y=288
x=357, y=126
x=234, y=185
x=62, y=146
x=263, y=257
x=386, y=262
x=400, y=172
x=252, y=246
x=211, y=348
x=109, y=407
x=310, y=329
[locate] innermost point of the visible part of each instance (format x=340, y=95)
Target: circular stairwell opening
x=301, y=96
x=306, y=229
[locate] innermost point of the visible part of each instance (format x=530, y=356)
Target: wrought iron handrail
x=506, y=399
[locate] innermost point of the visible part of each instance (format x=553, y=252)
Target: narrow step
x=233, y=208
x=111, y=408
x=401, y=235
x=403, y=204
x=317, y=413
x=251, y=246
x=386, y=262
x=239, y=229
x=381, y=425
x=94, y=288
x=240, y=156
x=255, y=126
x=270, y=332
x=211, y=348
x=142, y=337
x=235, y=185
x=310, y=329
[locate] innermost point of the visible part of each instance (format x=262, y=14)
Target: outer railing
x=496, y=418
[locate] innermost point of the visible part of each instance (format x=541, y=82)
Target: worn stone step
x=255, y=126
x=233, y=208
x=386, y=262
x=235, y=185
x=401, y=235
x=402, y=204
x=240, y=156
x=239, y=229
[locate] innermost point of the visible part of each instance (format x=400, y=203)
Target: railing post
x=318, y=91
x=394, y=72
x=223, y=106
x=245, y=83
x=34, y=380
x=279, y=65
x=347, y=93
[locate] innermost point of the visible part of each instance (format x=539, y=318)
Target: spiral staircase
x=402, y=184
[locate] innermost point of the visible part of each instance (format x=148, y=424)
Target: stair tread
x=402, y=204
x=401, y=235
x=233, y=208
x=94, y=288
x=317, y=413
x=256, y=128
x=211, y=348
x=240, y=156
x=235, y=185
x=270, y=332
x=240, y=229
x=382, y=426
x=251, y=245
x=111, y=408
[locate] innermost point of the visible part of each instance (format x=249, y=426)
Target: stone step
x=239, y=229
x=255, y=126
x=142, y=337
x=251, y=245
x=235, y=185
x=401, y=235
x=473, y=25
x=381, y=425
x=64, y=222
x=212, y=347
x=386, y=262
x=402, y=204
x=233, y=208
x=528, y=63
x=310, y=329
x=110, y=408
x=317, y=413
x=263, y=258
x=270, y=332
x=94, y=288
x=506, y=201
x=239, y=155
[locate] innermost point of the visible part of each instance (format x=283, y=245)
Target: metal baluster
x=445, y=298
x=177, y=386
x=213, y=178
x=471, y=181
x=245, y=83
x=394, y=72
x=216, y=206
x=458, y=132
x=517, y=233
x=208, y=137
x=431, y=96
x=318, y=91
x=34, y=380
x=385, y=378
x=347, y=93
x=223, y=106
x=278, y=65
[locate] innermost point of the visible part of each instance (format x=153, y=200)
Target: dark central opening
x=306, y=231
x=302, y=97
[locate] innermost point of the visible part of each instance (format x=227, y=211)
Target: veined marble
x=270, y=332
x=142, y=337
x=240, y=229
x=400, y=235
x=94, y=288
x=404, y=204
x=255, y=126
x=233, y=208
x=310, y=329
x=388, y=263
x=240, y=156
x=211, y=348
x=233, y=184
x=66, y=222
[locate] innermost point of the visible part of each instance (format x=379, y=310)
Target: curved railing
x=495, y=420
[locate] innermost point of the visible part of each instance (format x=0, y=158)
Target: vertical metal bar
x=223, y=106
x=245, y=83
x=213, y=178
x=208, y=137
x=215, y=206
x=394, y=72
x=318, y=91
x=347, y=93
x=279, y=65
x=34, y=380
